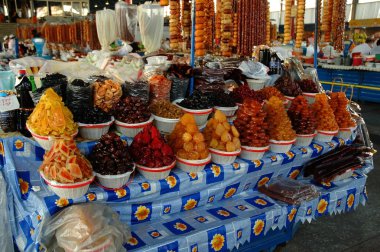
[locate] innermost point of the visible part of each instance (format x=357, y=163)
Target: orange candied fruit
x=323, y=113
x=338, y=104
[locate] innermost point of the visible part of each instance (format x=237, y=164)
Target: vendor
x=278, y=42
x=365, y=48
x=11, y=44
x=4, y=45
x=376, y=50
x=310, y=47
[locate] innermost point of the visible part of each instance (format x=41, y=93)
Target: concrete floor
x=355, y=231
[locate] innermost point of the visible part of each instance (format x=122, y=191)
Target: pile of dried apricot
x=324, y=114
x=338, y=104
x=187, y=141
x=220, y=134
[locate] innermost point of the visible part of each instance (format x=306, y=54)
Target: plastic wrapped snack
x=74, y=229
x=137, y=89
x=159, y=88
x=79, y=97
x=289, y=190
x=106, y=94
x=179, y=88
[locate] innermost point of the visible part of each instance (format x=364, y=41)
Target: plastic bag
x=56, y=81
x=8, y=121
x=26, y=62
x=151, y=21
x=137, y=89
x=132, y=21
x=79, y=97
x=129, y=69
x=106, y=27
x=159, y=87
x=85, y=227
x=254, y=70
x=121, y=9
x=7, y=80
x=5, y=229
x=289, y=190
x=179, y=88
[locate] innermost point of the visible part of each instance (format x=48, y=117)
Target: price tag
x=9, y=103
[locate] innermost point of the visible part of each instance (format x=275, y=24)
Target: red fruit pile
x=251, y=124
x=150, y=149
x=244, y=92
x=65, y=164
x=268, y=92
x=301, y=116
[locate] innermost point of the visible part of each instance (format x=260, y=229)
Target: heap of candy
x=106, y=94
x=110, y=156
x=244, y=92
x=251, y=124
x=287, y=86
x=338, y=104
x=323, y=114
x=280, y=127
x=268, y=92
x=301, y=116
x=166, y=109
x=150, y=149
x=197, y=100
x=187, y=141
x=308, y=86
x=65, y=164
x=51, y=117
x=220, y=134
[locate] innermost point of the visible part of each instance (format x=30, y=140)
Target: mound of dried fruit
x=280, y=127
x=323, y=114
x=51, y=117
x=197, y=100
x=244, y=92
x=338, y=104
x=251, y=124
x=301, y=116
x=131, y=110
x=110, y=156
x=65, y=164
x=287, y=86
x=308, y=86
x=106, y=94
x=150, y=149
x=268, y=92
x=94, y=116
x=187, y=141
x=220, y=134
x=165, y=109
x=222, y=99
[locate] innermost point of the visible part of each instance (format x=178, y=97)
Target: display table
x=361, y=76
x=228, y=206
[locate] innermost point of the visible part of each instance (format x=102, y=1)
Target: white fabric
x=151, y=20
x=364, y=49
x=310, y=50
x=106, y=28
x=375, y=50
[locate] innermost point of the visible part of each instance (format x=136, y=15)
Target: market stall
x=163, y=154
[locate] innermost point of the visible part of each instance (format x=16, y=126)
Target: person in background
x=278, y=42
x=376, y=49
x=364, y=48
x=11, y=44
x=310, y=47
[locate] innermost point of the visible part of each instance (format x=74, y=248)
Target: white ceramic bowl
x=68, y=191
x=193, y=165
x=155, y=173
x=325, y=136
x=228, y=111
x=94, y=131
x=46, y=142
x=165, y=125
x=304, y=140
x=289, y=101
x=114, y=181
x=223, y=157
x=310, y=97
x=200, y=115
x=281, y=146
x=132, y=129
x=256, y=84
x=253, y=153
x=345, y=133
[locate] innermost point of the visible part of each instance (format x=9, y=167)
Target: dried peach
x=191, y=128
x=187, y=119
x=201, y=146
x=220, y=116
x=235, y=132
x=186, y=137
x=214, y=143
x=189, y=146
x=226, y=137
x=220, y=129
x=230, y=146
x=198, y=137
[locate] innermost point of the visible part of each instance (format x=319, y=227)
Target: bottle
x=23, y=88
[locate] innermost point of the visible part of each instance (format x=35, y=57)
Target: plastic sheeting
x=151, y=20
x=106, y=27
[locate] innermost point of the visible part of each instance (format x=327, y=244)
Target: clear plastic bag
x=5, y=229
x=137, y=89
x=289, y=190
x=85, y=227
x=254, y=70
x=7, y=80
x=179, y=87
x=121, y=9
x=151, y=21
x=79, y=97
x=132, y=21
x=106, y=27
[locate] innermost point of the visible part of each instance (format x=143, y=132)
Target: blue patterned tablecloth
x=156, y=203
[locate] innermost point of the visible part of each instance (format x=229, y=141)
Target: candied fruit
x=338, y=104
x=301, y=116
x=324, y=114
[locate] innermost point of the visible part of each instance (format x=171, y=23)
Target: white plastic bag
x=106, y=28
x=254, y=70
x=151, y=20
x=128, y=70
x=132, y=21
x=5, y=229
x=85, y=227
x=26, y=62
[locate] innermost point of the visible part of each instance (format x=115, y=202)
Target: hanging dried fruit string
x=174, y=24
x=287, y=21
x=186, y=18
x=199, y=28
x=218, y=22
x=227, y=26
x=338, y=24
x=268, y=25
x=300, y=22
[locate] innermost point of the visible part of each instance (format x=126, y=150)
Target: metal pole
x=192, y=44
x=316, y=34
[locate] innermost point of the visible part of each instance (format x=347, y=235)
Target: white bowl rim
x=307, y=135
x=328, y=133
x=55, y=184
x=134, y=125
x=48, y=137
x=226, y=108
x=163, y=119
x=195, y=111
x=272, y=141
x=198, y=162
x=224, y=153
x=90, y=125
x=156, y=169
x=255, y=149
